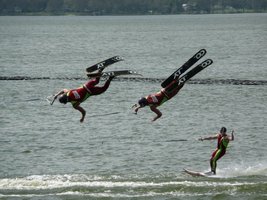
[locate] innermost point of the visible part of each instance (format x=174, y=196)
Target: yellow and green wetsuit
x=219, y=152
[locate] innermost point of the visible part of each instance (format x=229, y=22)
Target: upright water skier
x=157, y=99
x=222, y=143
x=79, y=95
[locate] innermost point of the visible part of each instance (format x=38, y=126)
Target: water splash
x=242, y=170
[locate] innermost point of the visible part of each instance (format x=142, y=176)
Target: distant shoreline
x=124, y=14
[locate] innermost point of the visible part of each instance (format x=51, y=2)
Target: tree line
x=128, y=7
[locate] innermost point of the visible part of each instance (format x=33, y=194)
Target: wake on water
x=58, y=181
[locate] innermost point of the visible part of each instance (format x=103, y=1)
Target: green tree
x=109, y=7
x=55, y=6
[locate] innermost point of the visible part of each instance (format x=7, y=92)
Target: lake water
x=46, y=153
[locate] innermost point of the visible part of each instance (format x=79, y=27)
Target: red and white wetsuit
x=164, y=94
x=79, y=95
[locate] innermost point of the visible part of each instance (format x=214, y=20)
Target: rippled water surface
x=46, y=153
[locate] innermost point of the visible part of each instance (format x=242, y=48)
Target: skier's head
x=63, y=98
x=143, y=102
x=223, y=130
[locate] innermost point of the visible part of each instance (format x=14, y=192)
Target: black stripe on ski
x=113, y=73
x=192, y=73
x=104, y=63
x=195, y=70
x=184, y=67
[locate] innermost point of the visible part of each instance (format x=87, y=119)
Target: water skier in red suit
x=79, y=95
x=157, y=99
x=222, y=143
